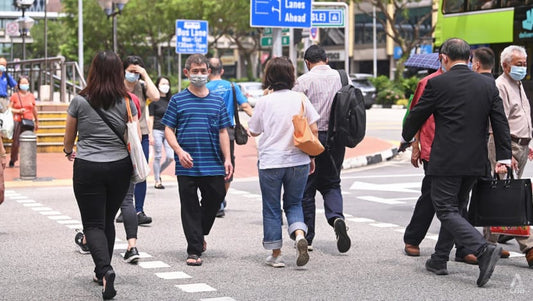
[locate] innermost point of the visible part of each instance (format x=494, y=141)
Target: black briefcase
x=501, y=202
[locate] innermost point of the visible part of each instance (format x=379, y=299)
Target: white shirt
x=273, y=118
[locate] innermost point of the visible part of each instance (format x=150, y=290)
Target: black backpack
x=347, y=119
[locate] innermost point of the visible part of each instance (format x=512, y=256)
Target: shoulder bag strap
x=104, y=118
x=344, y=77
x=235, y=106
x=21, y=106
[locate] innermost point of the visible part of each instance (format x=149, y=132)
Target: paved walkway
x=54, y=169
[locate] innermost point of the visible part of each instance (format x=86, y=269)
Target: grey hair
x=507, y=54
x=198, y=59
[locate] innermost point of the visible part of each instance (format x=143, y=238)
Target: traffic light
x=297, y=35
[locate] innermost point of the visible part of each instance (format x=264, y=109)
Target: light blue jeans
x=293, y=180
x=159, y=141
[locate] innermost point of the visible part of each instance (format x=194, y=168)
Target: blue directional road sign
x=191, y=36
x=327, y=18
x=280, y=13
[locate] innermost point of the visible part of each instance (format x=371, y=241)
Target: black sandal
x=196, y=258
x=159, y=186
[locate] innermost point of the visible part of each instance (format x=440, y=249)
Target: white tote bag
x=141, y=169
x=7, y=124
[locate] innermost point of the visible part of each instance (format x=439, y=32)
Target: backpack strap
x=344, y=77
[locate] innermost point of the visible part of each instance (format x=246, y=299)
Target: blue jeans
x=293, y=180
x=159, y=141
x=140, y=188
x=326, y=179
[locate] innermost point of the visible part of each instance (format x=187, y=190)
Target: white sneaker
x=276, y=262
x=302, y=257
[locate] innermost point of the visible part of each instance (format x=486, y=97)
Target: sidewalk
x=53, y=169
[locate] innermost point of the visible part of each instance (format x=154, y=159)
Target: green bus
x=494, y=23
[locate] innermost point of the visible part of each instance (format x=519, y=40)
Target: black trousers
x=422, y=215
x=198, y=216
x=450, y=198
x=100, y=188
x=326, y=179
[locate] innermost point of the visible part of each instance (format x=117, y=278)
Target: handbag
x=241, y=135
x=303, y=137
x=6, y=124
x=141, y=169
x=501, y=202
x=27, y=124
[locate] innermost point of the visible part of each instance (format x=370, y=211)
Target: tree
x=406, y=32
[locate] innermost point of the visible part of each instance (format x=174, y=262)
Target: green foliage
x=389, y=95
x=409, y=85
x=403, y=102
x=390, y=92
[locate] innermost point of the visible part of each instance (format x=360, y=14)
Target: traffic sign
x=267, y=41
x=314, y=34
x=327, y=17
x=280, y=13
x=12, y=29
x=268, y=31
x=191, y=36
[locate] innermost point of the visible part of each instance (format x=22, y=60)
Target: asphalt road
x=39, y=260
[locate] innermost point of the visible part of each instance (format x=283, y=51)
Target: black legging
x=129, y=215
x=100, y=188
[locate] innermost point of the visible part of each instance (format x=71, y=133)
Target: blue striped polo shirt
x=197, y=122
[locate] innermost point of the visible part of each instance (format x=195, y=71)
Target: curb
x=365, y=160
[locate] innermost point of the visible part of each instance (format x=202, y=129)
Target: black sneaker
x=78, y=239
x=436, y=268
x=143, y=219
x=221, y=213
x=132, y=256
x=120, y=219
x=487, y=262
x=343, y=240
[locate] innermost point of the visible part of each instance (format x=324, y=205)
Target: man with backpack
x=321, y=85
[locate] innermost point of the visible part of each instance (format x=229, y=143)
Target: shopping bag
x=501, y=202
x=7, y=124
x=303, y=137
x=511, y=231
x=141, y=169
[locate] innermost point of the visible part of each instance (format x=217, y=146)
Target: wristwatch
x=67, y=153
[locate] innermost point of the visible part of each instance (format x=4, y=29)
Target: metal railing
x=50, y=76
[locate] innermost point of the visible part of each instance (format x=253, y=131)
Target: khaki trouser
x=520, y=153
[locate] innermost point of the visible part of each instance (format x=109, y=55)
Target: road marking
x=515, y=254
x=18, y=197
x=33, y=204
x=120, y=246
x=41, y=208
x=195, y=288
x=434, y=237
x=376, y=199
x=26, y=200
x=361, y=220
x=153, y=264
x=418, y=175
x=49, y=212
x=78, y=226
x=396, y=187
x=218, y=299
x=173, y=275
x=59, y=217
x=384, y=225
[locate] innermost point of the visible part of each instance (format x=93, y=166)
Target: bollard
x=28, y=155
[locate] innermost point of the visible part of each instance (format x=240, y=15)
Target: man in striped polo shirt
x=196, y=128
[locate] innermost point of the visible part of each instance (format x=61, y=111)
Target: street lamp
x=25, y=23
x=112, y=8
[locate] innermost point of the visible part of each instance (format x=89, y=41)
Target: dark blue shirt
x=198, y=122
x=5, y=80
x=223, y=87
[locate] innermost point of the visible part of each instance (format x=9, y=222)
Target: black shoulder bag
x=241, y=135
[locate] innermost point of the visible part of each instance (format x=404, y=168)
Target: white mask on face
x=198, y=80
x=164, y=88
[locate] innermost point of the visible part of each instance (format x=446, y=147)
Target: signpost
x=191, y=38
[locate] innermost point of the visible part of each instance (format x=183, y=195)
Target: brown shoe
x=529, y=257
x=470, y=259
x=505, y=254
x=412, y=250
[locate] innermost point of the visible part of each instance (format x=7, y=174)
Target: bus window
x=453, y=6
x=507, y=3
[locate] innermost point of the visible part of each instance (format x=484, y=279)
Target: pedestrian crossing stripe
x=173, y=275
x=195, y=288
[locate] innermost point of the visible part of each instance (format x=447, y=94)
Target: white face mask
x=198, y=80
x=164, y=88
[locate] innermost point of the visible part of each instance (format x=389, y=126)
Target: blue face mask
x=2, y=68
x=131, y=77
x=24, y=87
x=518, y=72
